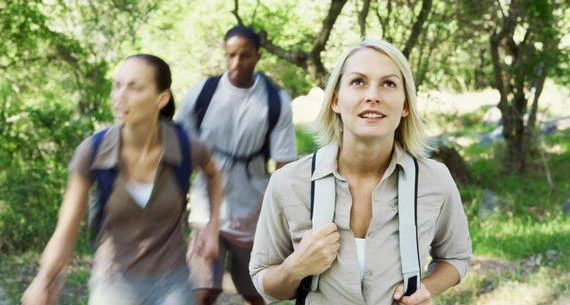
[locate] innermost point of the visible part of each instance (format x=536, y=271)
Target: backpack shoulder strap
x=322, y=191
x=183, y=171
x=105, y=179
x=274, y=103
x=204, y=99
x=96, y=139
x=273, y=111
x=323, y=203
x=407, y=219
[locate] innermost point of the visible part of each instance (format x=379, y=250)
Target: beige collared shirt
x=285, y=216
x=140, y=241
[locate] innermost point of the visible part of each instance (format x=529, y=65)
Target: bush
x=36, y=144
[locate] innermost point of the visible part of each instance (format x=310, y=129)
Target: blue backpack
x=105, y=179
x=273, y=113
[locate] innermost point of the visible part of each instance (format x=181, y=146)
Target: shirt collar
x=108, y=152
x=327, y=164
x=328, y=155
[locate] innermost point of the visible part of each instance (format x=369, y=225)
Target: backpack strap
x=323, y=192
x=183, y=171
x=323, y=196
x=105, y=179
x=273, y=113
x=324, y=203
x=204, y=99
x=407, y=220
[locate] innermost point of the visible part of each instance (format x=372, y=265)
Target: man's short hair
x=245, y=32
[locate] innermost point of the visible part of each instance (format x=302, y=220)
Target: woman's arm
x=442, y=277
x=315, y=254
x=60, y=246
x=207, y=243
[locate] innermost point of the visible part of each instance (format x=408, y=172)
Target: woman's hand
x=40, y=292
x=422, y=296
x=316, y=252
x=206, y=244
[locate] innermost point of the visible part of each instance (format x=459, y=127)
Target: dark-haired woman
x=140, y=252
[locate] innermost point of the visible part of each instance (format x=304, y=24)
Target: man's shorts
x=209, y=274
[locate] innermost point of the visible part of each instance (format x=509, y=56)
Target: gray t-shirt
x=236, y=122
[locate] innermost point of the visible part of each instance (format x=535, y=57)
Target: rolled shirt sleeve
x=452, y=242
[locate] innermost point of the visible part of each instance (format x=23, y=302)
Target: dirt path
x=488, y=282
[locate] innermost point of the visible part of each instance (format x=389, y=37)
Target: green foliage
x=534, y=195
x=305, y=140
x=518, y=238
x=37, y=142
x=56, y=58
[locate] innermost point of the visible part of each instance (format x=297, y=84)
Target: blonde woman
x=367, y=124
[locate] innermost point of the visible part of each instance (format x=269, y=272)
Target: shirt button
x=371, y=235
x=376, y=198
x=368, y=273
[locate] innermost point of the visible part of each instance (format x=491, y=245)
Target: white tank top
x=360, y=251
x=140, y=192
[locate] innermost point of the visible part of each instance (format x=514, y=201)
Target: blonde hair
x=410, y=133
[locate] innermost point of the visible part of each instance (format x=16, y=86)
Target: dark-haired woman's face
x=135, y=98
x=241, y=58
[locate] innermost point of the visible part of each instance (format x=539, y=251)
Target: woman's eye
x=389, y=83
x=356, y=82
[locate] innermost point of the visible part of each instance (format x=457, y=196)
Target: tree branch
x=417, y=27
x=328, y=23
x=384, y=22
x=257, y=4
x=298, y=58
x=235, y=11
x=362, y=14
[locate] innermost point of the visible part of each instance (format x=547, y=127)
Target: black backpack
x=273, y=113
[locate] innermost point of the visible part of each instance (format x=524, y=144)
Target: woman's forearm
x=281, y=283
x=443, y=276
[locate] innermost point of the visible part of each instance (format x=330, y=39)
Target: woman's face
x=134, y=96
x=370, y=96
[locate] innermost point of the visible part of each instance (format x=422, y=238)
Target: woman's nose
x=373, y=94
x=117, y=96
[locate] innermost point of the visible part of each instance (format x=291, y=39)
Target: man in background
x=246, y=119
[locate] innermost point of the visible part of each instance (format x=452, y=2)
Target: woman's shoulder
x=299, y=169
x=435, y=171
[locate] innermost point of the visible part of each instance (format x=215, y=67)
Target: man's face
x=241, y=58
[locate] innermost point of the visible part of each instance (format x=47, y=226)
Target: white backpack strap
x=408, y=234
x=323, y=206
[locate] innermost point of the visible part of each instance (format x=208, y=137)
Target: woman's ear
x=334, y=103
x=163, y=98
x=406, y=109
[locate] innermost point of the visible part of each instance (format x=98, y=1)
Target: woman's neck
x=364, y=160
x=141, y=137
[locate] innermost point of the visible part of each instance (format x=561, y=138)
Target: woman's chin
x=119, y=122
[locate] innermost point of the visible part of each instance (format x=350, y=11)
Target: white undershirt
x=140, y=192
x=360, y=252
